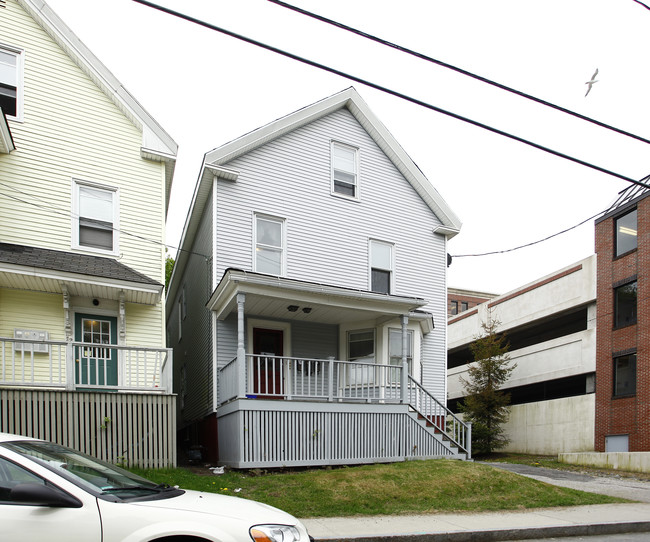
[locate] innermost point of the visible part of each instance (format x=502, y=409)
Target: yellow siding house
x=82, y=318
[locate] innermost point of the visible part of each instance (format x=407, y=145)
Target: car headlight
x=274, y=533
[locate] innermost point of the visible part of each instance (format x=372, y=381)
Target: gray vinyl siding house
x=307, y=308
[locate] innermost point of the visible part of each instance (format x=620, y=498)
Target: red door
x=268, y=375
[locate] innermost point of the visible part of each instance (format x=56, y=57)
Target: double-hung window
x=95, y=217
x=344, y=163
x=626, y=233
x=381, y=267
x=11, y=82
x=269, y=245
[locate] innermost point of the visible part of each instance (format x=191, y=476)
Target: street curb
x=497, y=535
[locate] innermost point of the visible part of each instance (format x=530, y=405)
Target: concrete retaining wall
x=627, y=461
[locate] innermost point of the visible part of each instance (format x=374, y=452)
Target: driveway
x=610, y=484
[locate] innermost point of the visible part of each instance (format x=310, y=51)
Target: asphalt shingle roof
x=70, y=262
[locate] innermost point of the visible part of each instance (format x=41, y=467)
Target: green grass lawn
x=412, y=487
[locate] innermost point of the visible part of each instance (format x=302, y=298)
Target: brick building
x=461, y=300
x=623, y=324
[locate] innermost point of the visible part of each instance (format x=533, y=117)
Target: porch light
x=293, y=308
x=306, y=310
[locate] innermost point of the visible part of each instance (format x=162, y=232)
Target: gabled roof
x=348, y=98
x=156, y=143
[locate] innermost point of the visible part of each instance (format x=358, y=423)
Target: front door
x=268, y=347
x=94, y=365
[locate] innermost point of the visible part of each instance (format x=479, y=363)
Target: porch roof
x=53, y=271
x=272, y=296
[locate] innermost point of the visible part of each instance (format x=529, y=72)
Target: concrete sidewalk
x=510, y=525
x=492, y=526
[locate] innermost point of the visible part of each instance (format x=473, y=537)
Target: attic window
x=11, y=75
x=344, y=163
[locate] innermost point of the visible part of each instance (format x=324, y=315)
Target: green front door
x=94, y=365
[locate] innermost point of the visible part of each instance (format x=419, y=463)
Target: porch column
x=241, y=349
x=69, y=337
x=405, y=363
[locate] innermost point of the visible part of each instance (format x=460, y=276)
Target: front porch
x=112, y=402
x=309, y=412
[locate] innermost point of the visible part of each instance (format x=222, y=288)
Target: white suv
x=50, y=492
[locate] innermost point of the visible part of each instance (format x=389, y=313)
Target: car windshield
x=97, y=476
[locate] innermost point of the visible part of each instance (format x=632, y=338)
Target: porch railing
x=77, y=365
x=279, y=377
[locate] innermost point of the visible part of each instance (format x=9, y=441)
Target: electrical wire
x=456, y=69
x=380, y=88
x=641, y=3
x=66, y=214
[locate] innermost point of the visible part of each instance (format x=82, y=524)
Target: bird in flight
x=591, y=81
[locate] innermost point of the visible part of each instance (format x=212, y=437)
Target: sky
x=206, y=89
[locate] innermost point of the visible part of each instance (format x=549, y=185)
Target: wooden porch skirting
x=259, y=433
x=132, y=429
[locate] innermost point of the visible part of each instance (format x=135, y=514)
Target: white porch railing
x=87, y=366
x=276, y=377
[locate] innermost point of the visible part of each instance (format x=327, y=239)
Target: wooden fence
x=131, y=429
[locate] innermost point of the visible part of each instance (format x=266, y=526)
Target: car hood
x=223, y=505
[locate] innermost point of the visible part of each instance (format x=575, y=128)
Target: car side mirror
x=42, y=495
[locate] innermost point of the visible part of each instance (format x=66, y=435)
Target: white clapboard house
x=307, y=307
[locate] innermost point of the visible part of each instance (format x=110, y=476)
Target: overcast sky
x=205, y=89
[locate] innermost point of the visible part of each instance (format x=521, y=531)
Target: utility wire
x=644, y=5
x=56, y=210
x=457, y=69
x=381, y=89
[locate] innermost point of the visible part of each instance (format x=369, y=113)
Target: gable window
x=95, y=217
x=381, y=267
x=626, y=233
x=625, y=305
x=11, y=75
x=624, y=375
x=344, y=170
x=269, y=244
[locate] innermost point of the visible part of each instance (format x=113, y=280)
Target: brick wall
x=623, y=415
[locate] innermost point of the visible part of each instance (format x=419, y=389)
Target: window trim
x=76, y=185
x=20, y=81
x=391, y=281
x=355, y=150
x=283, y=240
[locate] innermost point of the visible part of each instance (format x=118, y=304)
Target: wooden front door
x=94, y=365
x=268, y=347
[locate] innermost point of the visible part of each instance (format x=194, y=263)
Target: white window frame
x=391, y=269
x=355, y=150
x=283, y=240
x=76, y=185
x=20, y=85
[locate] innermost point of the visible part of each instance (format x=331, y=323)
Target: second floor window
x=381, y=267
x=626, y=233
x=96, y=212
x=344, y=171
x=269, y=245
x=11, y=82
x=625, y=305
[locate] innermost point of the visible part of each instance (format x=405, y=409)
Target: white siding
x=327, y=236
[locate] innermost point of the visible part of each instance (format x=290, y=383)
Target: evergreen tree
x=485, y=405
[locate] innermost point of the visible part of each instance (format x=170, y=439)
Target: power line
x=49, y=207
x=641, y=3
x=381, y=89
x=456, y=69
